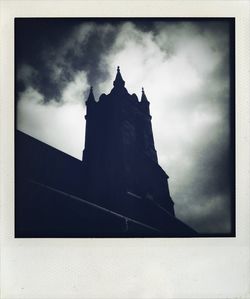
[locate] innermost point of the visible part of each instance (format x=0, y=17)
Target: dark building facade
x=118, y=190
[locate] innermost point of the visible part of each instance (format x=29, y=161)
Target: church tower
x=119, y=154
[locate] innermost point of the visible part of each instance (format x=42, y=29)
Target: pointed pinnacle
x=143, y=96
x=119, y=82
x=91, y=97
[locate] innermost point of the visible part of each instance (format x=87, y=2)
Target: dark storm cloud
x=184, y=67
x=57, y=59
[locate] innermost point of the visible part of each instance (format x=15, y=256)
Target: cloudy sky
x=184, y=68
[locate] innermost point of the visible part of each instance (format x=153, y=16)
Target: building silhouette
x=117, y=190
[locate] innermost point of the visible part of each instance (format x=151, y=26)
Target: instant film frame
x=146, y=268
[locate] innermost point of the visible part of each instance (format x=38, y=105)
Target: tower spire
x=119, y=82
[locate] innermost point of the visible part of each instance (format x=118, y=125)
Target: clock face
x=128, y=133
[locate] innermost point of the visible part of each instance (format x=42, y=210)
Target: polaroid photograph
x=125, y=151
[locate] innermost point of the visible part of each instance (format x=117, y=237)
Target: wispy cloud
x=58, y=123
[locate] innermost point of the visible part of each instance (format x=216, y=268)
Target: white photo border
x=125, y=268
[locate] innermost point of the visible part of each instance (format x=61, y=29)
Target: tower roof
x=119, y=82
